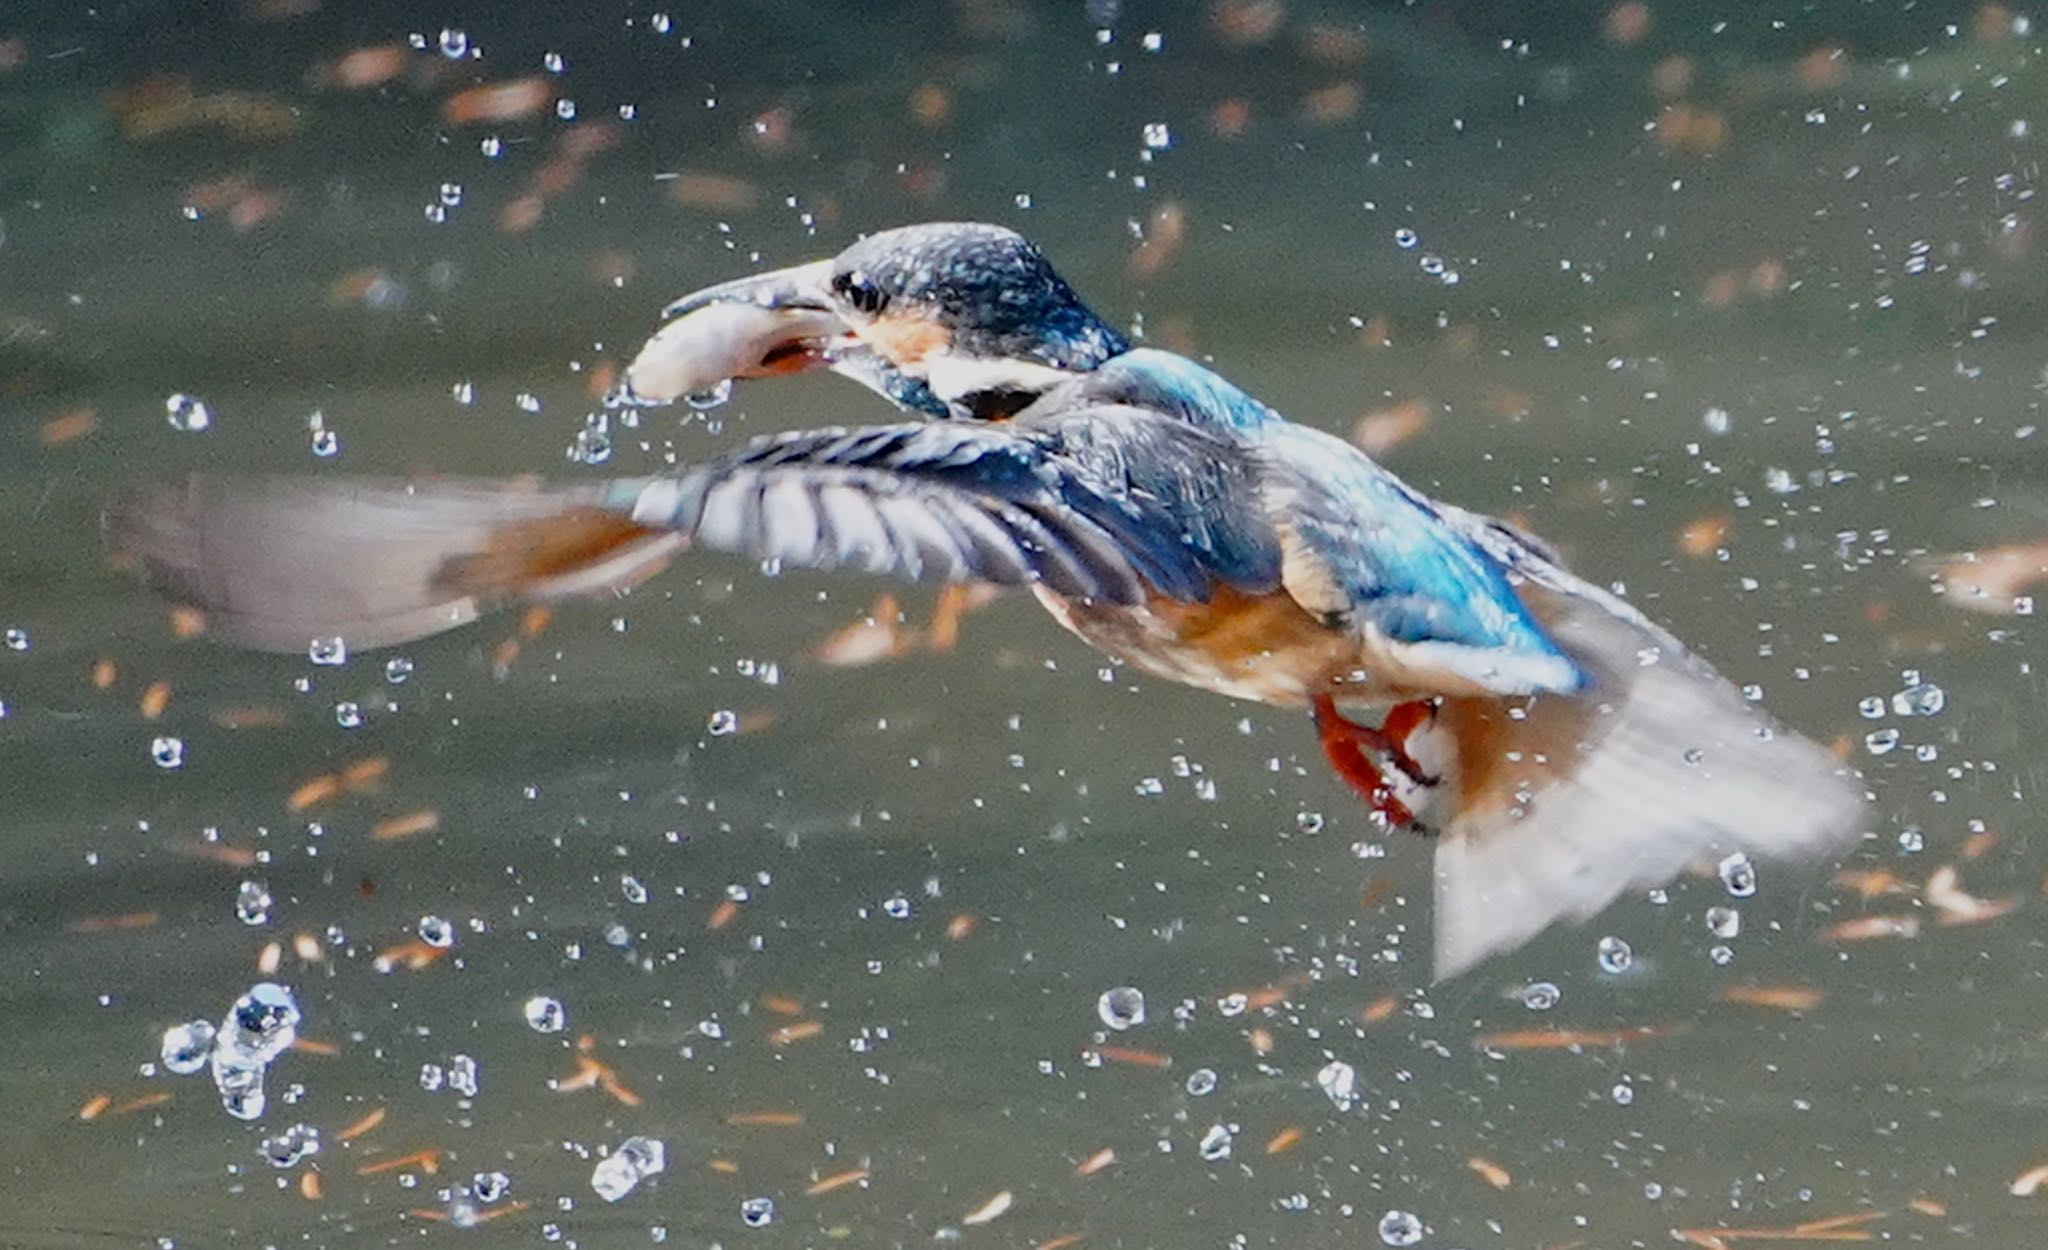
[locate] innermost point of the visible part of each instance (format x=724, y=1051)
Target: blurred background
x=1739, y=305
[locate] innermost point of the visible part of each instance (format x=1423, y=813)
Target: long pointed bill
x=770, y=323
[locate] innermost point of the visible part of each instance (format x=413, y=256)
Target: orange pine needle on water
x=1834, y=1228
x=1874, y=883
x=960, y=926
x=1136, y=1057
x=2025, y=1185
x=322, y=789
x=990, y=1210
x=781, y=1005
x=797, y=1032
x=156, y=699
x=361, y=1126
x=95, y=1107
x=724, y=1167
x=412, y=956
x=1871, y=928
x=1061, y=1242
x=1490, y=1172
x=104, y=674
x=314, y=1046
x=765, y=1119
x=1380, y=1009
x=1283, y=1141
x=722, y=915
x=1096, y=1162
x=427, y=1160
x=838, y=1180
x=309, y=1185
x=410, y=825
x=107, y=924
x=1782, y=997
x=1957, y=906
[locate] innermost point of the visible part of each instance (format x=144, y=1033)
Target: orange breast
x=1263, y=647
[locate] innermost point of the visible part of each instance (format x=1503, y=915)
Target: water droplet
x=1309, y=822
x=897, y=907
x=634, y=891
x=1722, y=955
x=1724, y=922
x=1881, y=741
x=1871, y=707
x=489, y=1187
x=17, y=640
x=436, y=932
x=1399, y=1228
x=1233, y=1004
x=1920, y=699
x=491, y=146
x=463, y=1075
x=1022, y=200
x=723, y=722
x=1157, y=136
x=186, y=1047
x=593, y=445
x=326, y=443
x=328, y=652
x=454, y=43
x=1215, y=1144
x=1406, y=238
x=1623, y=1093
x=463, y=392
x=1716, y=420
x=1912, y=840
x=287, y=1148
x=1738, y=875
x=716, y=394
x=397, y=669
x=553, y=63
x=545, y=1015
x=661, y=23
x=348, y=715
x=1201, y=1082
x=757, y=1212
x=1122, y=1007
x=566, y=110
x=1540, y=995
x=1615, y=955
x=1339, y=1082
x=252, y=903
x=188, y=413
x=636, y=1159
x=432, y=1077
x=167, y=752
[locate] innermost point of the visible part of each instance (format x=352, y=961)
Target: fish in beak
x=759, y=326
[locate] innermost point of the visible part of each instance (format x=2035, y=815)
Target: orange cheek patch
x=906, y=340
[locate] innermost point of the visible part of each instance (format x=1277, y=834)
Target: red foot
x=1354, y=750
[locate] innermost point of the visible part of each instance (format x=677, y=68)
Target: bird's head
x=954, y=319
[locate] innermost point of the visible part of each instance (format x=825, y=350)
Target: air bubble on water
x=489, y=1187
x=593, y=445
x=757, y=1212
x=397, y=669
x=167, y=752
x=1157, y=136
x=1339, y=1082
x=1921, y=698
x=348, y=715
x=1738, y=875
x=328, y=652
x=710, y=397
x=1215, y=1144
x=1406, y=238
x=252, y=903
x=1399, y=1228
x=1201, y=1082
x=1615, y=955
x=723, y=722
x=436, y=932
x=545, y=1015
x=188, y=413
x=454, y=43
x=636, y=1159
x=1541, y=995
x=186, y=1047
x=1724, y=922
x=1881, y=741
x=1121, y=1007
x=286, y=1149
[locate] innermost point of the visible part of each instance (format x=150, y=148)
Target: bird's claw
x=1355, y=751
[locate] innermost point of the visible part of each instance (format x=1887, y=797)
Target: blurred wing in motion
x=1556, y=806
x=276, y=564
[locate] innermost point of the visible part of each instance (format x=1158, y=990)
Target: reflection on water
x=1743, y=320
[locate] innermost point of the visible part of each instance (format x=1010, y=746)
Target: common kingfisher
x=1565, y=747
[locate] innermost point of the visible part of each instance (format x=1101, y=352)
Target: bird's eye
x=860, y=291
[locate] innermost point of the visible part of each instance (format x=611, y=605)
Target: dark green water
x=1853, y=278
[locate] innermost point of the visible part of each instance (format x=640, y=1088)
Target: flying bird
x=1562, y=746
